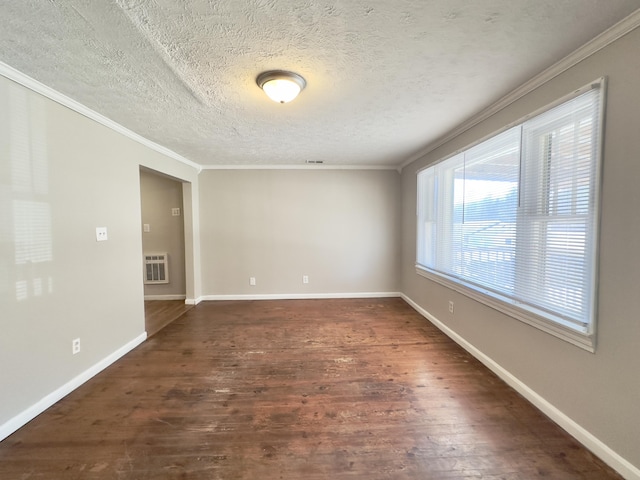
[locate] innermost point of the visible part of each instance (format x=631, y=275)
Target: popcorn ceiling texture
x=384, y=78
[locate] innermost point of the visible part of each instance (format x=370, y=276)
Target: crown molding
x=323, y=166
x=38, y=87
x=606, y=38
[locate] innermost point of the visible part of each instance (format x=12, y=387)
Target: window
x=512, y=221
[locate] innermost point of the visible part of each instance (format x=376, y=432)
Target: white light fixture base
x=281, y=86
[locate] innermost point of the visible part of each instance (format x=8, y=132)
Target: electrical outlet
x=101, y=234
x=75, y=346
x=305, y=279
x=450, y=306
x=252, y=280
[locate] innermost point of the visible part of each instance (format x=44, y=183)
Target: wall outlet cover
x=101, y=234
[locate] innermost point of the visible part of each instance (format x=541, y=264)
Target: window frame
x=540, y=319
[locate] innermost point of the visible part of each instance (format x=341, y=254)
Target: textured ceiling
x=384, y=78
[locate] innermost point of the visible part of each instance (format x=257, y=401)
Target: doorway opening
x=163, y=247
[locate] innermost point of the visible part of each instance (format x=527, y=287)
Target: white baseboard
x=590, y=441
x=33, y=411
x=302, y=296
x=193, y=301
x=165, y=297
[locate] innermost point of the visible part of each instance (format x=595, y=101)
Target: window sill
x=567, y=333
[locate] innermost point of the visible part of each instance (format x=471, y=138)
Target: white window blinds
x=515, y=216
x=558, y=214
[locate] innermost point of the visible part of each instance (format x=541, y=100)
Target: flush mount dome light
x=281, y=86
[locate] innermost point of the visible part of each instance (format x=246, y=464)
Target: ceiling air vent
x=156, y=268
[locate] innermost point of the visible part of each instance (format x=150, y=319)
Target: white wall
x=61, y=176
x=160, y=194
x=339, y=227
x=599, y=392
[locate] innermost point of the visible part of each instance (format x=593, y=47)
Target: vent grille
x=156, y=268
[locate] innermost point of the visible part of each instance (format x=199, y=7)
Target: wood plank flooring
x=160, y=313
x=298, y=389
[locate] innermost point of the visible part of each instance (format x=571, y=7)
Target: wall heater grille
x=156, y=268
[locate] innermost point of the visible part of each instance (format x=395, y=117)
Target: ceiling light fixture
x=281, y=86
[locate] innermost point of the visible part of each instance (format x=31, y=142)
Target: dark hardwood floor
x=160, y=313
x=299, y=389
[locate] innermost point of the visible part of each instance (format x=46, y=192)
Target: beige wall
x=339, y=227
x=61, y=176
x=600, y=391
x=160, y=194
